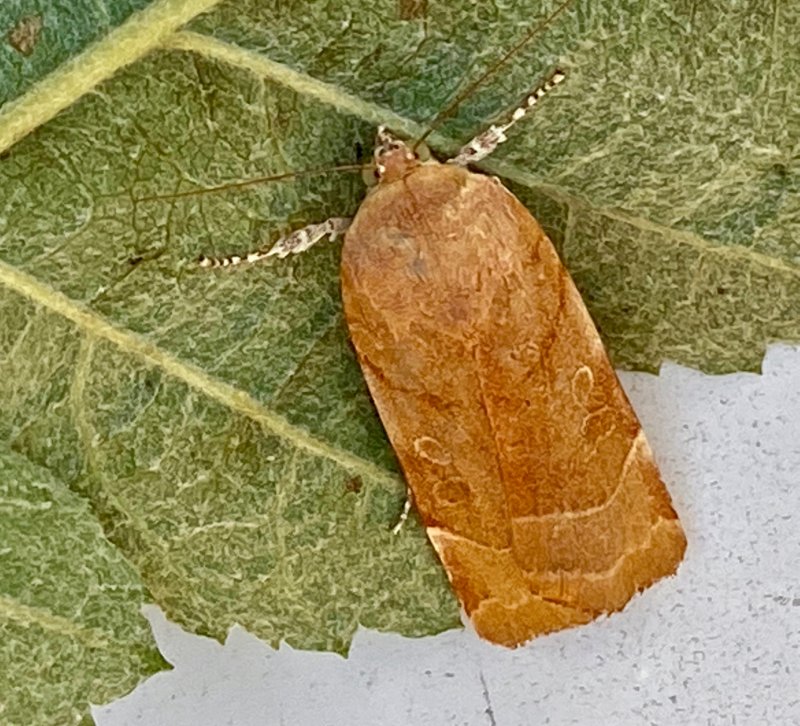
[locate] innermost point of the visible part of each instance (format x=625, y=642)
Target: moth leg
x=404, y=515
x=293, y=243
x=486, y=142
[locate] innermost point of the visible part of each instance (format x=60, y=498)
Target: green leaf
x=71, y=632
x=41, y=52
x=218, y=422
x=38, y=38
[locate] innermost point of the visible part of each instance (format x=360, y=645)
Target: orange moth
x=526, y=462
x=524, y=458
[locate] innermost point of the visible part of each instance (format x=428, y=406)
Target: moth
x=523, y=456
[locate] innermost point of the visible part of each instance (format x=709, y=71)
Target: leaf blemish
x=354, y=485
x=24, y=36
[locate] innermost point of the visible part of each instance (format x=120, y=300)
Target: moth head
x=394, y=158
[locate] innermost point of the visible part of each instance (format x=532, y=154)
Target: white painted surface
x=719, y=644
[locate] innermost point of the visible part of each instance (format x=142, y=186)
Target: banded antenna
x=435, y=123
x=448, y=111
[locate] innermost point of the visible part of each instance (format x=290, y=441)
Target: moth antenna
x=486, y=142
x=252, y=182
x=440, y=117
x=291, y=244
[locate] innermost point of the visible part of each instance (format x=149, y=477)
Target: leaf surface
x=38, y=38
x=71, y=632
x=218, y=422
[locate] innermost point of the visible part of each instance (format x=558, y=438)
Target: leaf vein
x=345, y=102
x=142, y=33
x=236, y=400
x=26, y=615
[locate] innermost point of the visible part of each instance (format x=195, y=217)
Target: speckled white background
x=719, y=644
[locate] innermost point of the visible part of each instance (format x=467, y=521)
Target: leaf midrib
x=238, y=401
x=143, y=32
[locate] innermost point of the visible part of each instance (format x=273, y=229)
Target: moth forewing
x=527, y=464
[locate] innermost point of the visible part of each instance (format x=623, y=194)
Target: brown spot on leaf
x=354, y=484
x=25, y=34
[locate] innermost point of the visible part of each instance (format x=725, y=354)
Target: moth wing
x=526, y=461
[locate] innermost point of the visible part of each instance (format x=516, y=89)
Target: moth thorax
x=393, y=157
x=396, y=164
